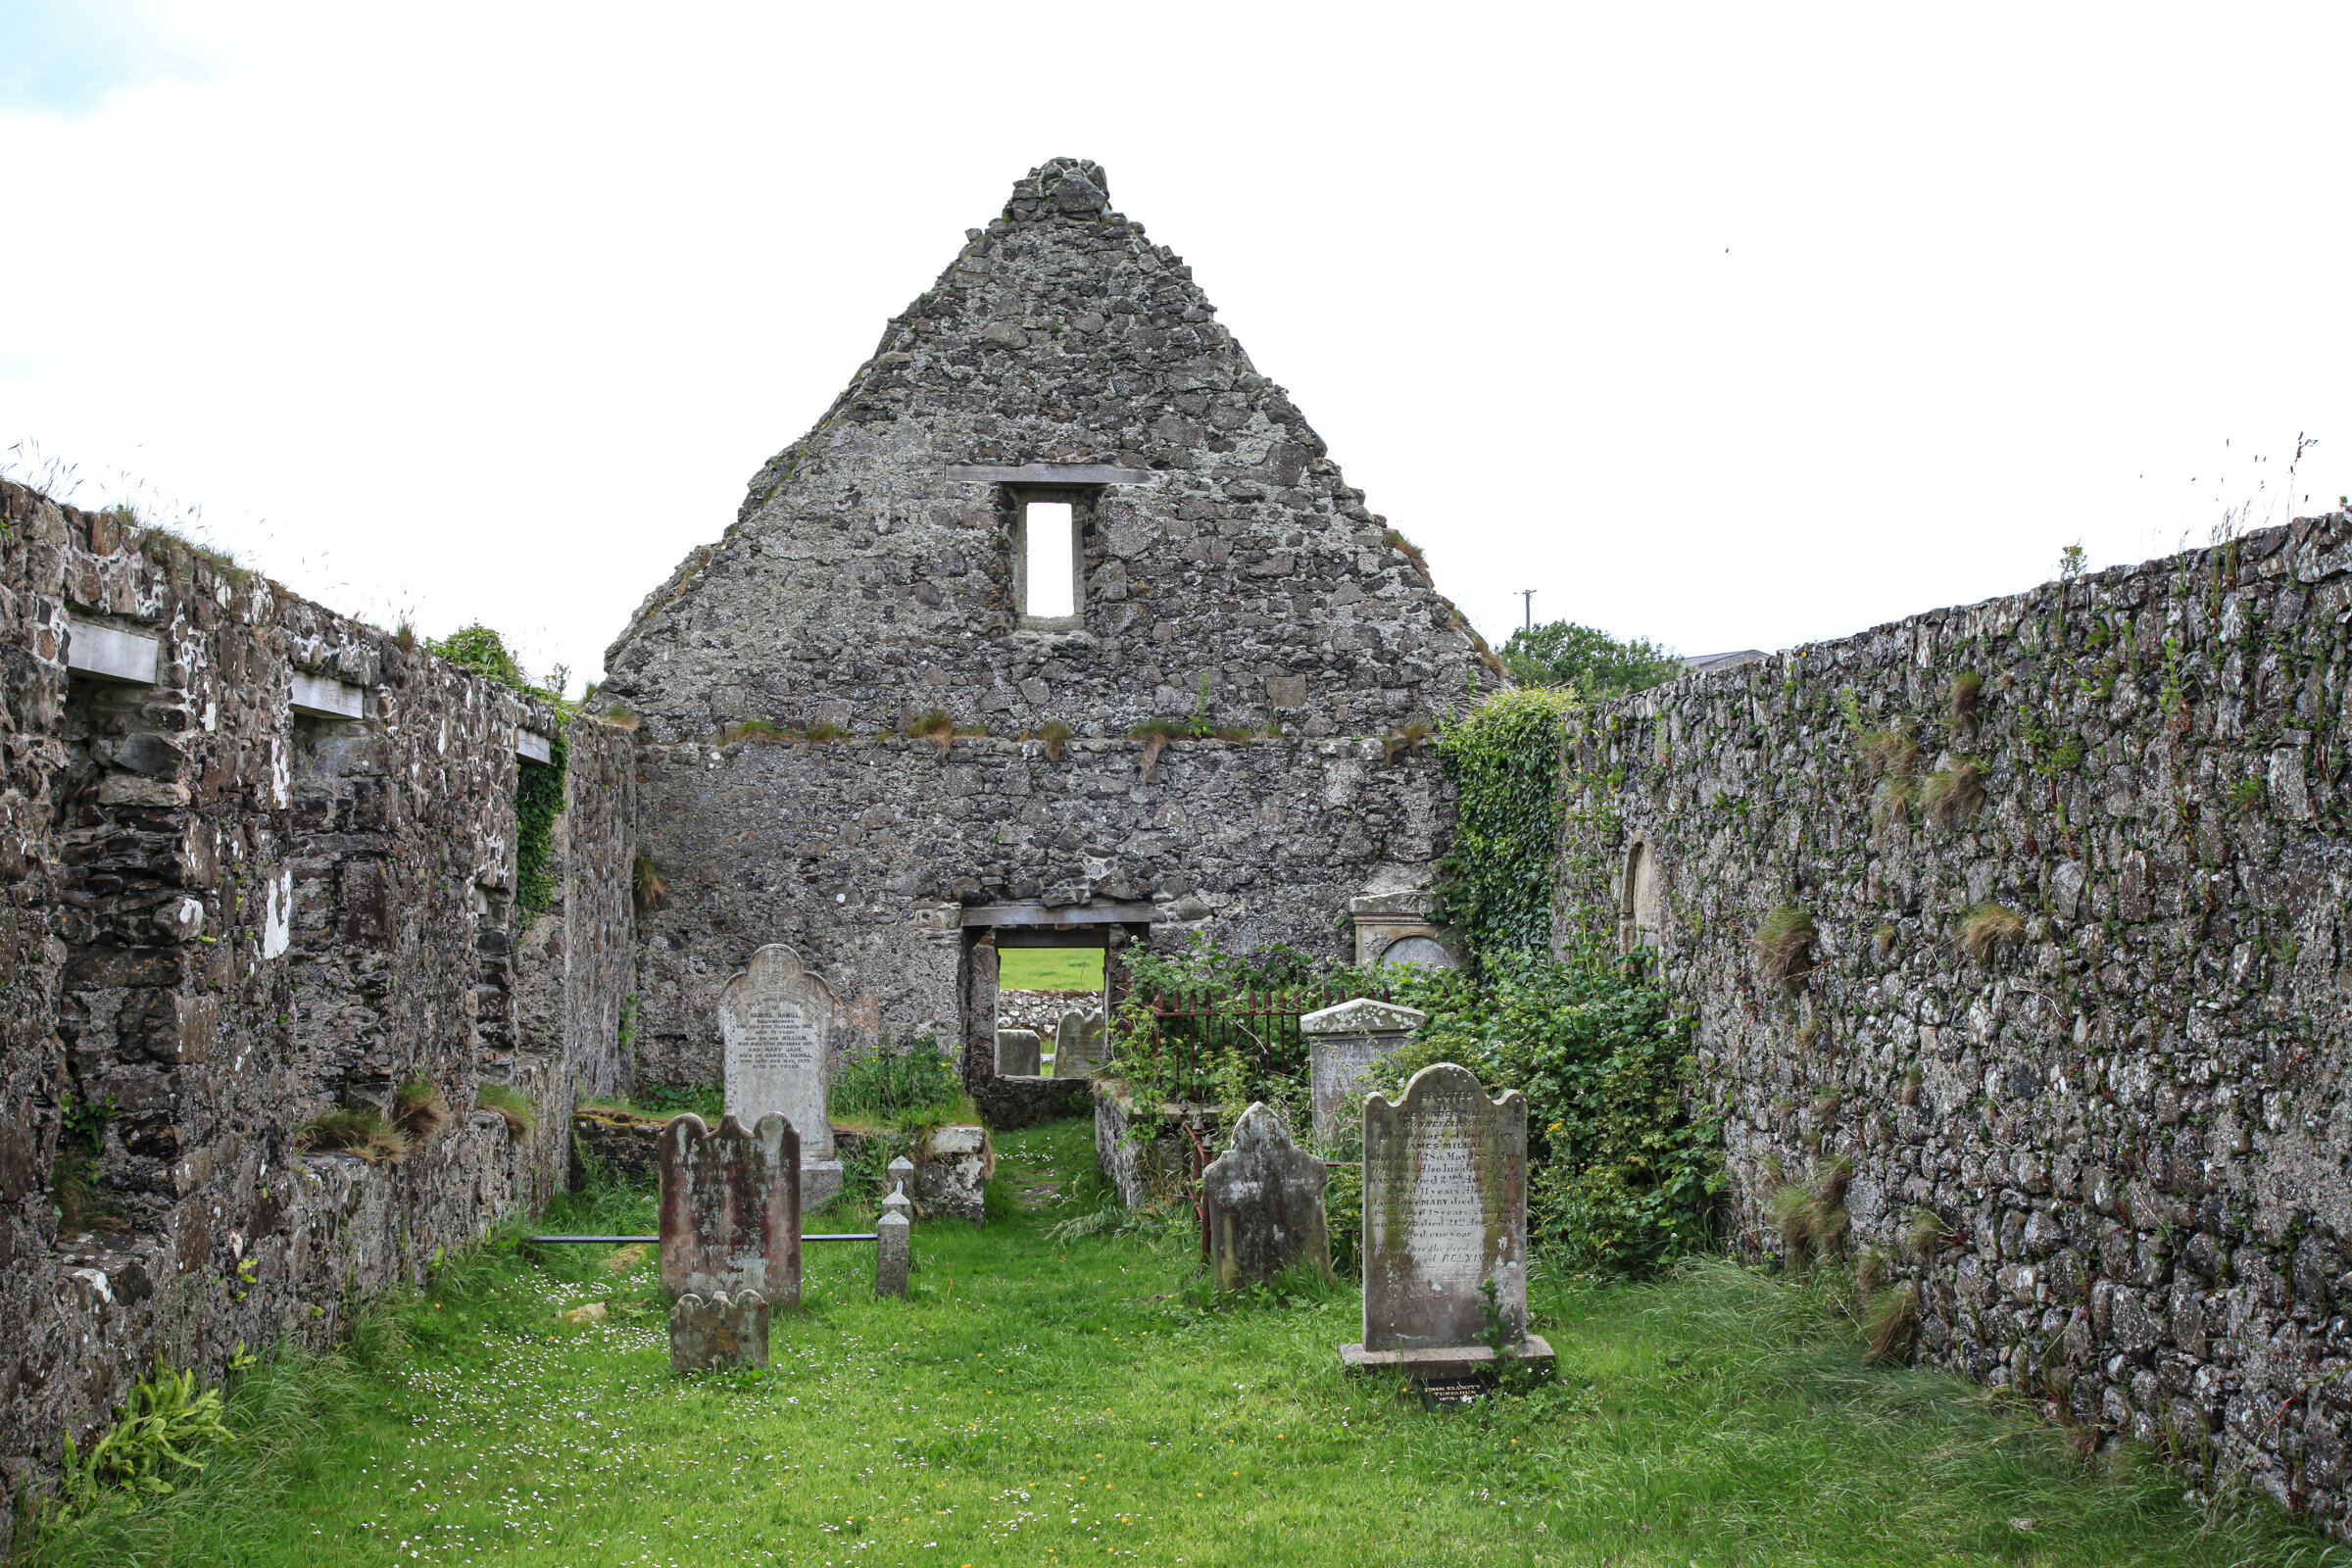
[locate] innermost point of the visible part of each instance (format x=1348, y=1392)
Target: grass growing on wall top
x=1058, y=1401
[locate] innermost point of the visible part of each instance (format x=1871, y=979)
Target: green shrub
x=1625, y=1176
x=1504, y=761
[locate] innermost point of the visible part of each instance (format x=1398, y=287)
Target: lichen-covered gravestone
x=1343, y=1043
x=1078, y=1045
x=1019, y=1052
x=1266, y=1203
x=1444, y=1216
x=720, y=1331
x=731, y=1209
x=953, y=1178
x=776, y=1019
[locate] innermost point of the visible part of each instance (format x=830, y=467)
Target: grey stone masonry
x=1266, y=1203
x=2071, y=1001
x=234, y=903
x=873, y=584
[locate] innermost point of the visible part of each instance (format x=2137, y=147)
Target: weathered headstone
x=1078, y=1045
x=731, y=1209
x=1444, y=1216
x=1266, y=1203
x=720, y=1330
x=1018, y=1053
x=776, y=1019
x=953, y=1178
x=892, y=1254
x=1343, y=1043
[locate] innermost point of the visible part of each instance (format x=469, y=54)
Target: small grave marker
x=1266, y=1203
x=1018, y=1053
x=892, y=1254
x=721, y=1329
x=1343, y=1043
x=1078, y=1045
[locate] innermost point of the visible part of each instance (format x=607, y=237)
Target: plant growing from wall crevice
x=1784, y=944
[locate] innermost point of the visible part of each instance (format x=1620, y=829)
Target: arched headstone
x=776, y=1019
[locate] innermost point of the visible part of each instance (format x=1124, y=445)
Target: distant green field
x=1049, y=968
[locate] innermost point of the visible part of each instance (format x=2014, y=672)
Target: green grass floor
x=1043, y=1401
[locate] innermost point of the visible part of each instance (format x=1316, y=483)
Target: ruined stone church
x=1059, y=501
x=2031, y=919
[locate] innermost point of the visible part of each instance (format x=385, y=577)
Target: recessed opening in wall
x=1049, y=560
x=1050, y=1006
x=1643, y=912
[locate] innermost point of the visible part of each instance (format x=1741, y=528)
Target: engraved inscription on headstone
x=731, y=1209
x=1444, y=1216
x=1078, y=1044
x=1344, y=1044
x=776, y=1019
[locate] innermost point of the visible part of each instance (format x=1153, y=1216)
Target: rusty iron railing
x=1194, y=1029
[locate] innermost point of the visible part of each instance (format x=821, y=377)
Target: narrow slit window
x=1052, y=564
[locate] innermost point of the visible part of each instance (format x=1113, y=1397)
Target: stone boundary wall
x=2125, y=1108
x=260, y=867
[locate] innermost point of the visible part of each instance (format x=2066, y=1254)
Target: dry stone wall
x=227, y=913
x=2076, y=874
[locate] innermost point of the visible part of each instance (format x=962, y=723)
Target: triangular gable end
x=1223, y=567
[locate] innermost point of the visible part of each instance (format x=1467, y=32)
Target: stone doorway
x=1028, y=968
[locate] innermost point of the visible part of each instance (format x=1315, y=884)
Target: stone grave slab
x=1445, y=1214
x=777, y=1020
x=1019, y=1052
x=955, y=1172
x=1266, y=1203
x=719, y=1331
x=1343, y=1044
x=1078, y=1045
x=731, y=1209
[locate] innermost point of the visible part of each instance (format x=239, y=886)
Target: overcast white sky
x=1728, y=325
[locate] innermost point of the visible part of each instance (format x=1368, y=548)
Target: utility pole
x=1529, y=595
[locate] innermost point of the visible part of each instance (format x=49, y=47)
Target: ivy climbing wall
x=2015, y=934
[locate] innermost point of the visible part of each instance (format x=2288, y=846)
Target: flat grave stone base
x=821, y=1183
x=1445, y=1362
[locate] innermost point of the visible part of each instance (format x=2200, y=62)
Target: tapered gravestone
x=1343, y=1044
x=1266, y=1203
x=1019, y=1052
x=776, y=1019
x=1445, y=1216
x=1078, y=1045
x=720, y=1331
x=731, y=1209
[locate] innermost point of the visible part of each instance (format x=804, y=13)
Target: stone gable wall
x=2130, y=1115
x=863, y=855
x=226, y=918
x=862, y=584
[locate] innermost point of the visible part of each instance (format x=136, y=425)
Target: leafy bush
x=152, y=1445
x=482, y=650
x=1624, y=1174
x=1591, y=663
